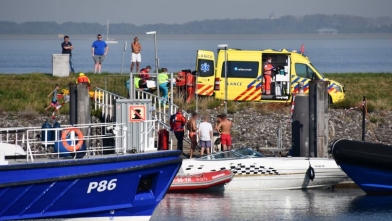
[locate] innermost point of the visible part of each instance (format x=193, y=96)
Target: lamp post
x=225, y=46
x=156, y=57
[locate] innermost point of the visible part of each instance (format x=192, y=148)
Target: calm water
x=341, y=204
x=355, y=54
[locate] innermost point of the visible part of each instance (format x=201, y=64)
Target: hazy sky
x=179, y=11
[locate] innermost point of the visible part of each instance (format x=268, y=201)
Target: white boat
x=108, y=40
x=253, y=170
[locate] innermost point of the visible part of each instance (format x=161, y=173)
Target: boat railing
x=76, y=139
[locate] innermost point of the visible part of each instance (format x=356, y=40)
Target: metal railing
x=104, y=100
x=37, y=142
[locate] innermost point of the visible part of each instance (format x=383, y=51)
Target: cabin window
x=304, y=71
x=205, y=68
x=241, y=69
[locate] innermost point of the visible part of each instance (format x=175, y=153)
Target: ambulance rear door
x=205, y=66
x=244, y=79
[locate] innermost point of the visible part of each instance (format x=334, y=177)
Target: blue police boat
x=369, y=165
x=61, y=183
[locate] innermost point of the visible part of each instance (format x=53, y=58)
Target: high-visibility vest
x=267, y=68
x=136, y=82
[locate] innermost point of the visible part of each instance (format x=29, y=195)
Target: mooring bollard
x=79, y=104
x=300, y=126
x=318, y=118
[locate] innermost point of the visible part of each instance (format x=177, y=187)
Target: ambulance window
x=241, y=69
x=205, y=68
x=301, y=70
x=304, y=71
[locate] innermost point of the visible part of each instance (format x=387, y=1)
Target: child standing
x=54, y=101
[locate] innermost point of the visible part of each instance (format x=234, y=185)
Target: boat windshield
x=249, y=152
x=233, y=154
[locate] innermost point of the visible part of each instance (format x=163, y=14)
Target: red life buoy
x=80, y=139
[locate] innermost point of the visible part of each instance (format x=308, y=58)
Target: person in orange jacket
x=190, y=85
x=267, y=76
x=83, y=79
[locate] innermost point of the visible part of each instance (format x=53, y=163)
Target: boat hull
x=209, y=181
x=272, y=173
x=115, y=187
x=369, y=165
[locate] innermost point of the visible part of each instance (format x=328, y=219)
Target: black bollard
x=73, y=104
x=318, y=118
x=300, y=126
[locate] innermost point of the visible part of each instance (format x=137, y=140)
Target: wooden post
x=318, y=118
x=364, y=109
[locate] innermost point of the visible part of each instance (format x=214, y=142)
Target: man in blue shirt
x=67, y=49
x=99, y=51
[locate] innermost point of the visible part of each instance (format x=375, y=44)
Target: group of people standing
x=204, y=131
x=99, y=50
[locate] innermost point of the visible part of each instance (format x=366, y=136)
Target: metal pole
x=364, y=118
x=225, y=80
x=171, y=108
x=156, y=65
x=131, y=86
x=195, y=91
x=122, y=64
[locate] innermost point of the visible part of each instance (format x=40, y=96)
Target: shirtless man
x=136, y=57
x=191, y=126
x=225, y=126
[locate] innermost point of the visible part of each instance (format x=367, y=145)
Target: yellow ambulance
x=245, y=70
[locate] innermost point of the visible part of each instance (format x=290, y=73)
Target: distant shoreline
x=208, y=36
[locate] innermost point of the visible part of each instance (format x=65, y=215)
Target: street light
x=225, y=46
x=156, y=57
x=155, y=46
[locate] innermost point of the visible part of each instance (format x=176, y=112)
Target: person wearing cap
x=267, y=76
x=136, y=57
x=83, y=79
x=99, y=50
x=67, y=49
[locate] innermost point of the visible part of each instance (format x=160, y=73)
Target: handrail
x=91, y=140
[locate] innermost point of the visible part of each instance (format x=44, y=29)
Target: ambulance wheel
x=330, y=99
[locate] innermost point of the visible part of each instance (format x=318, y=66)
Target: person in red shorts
x=225, y=133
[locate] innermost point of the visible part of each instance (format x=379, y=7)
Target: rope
x=216, y=108
x=292, y=108
x=362, y=105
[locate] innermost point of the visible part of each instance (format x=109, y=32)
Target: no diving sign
x=137, y=113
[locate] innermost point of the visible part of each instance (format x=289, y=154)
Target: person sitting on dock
x=83, y=79
x=144, y=72
x=144, y=76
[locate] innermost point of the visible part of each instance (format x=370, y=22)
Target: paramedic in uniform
x=267, y=76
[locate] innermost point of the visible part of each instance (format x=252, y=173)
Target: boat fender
x=311, y=173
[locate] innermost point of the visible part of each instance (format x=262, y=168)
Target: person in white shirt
x=205, y=135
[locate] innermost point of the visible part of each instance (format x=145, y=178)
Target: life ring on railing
x=65, y=142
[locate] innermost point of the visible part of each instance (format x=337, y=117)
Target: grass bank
x=376, y=87
x=21, y=92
